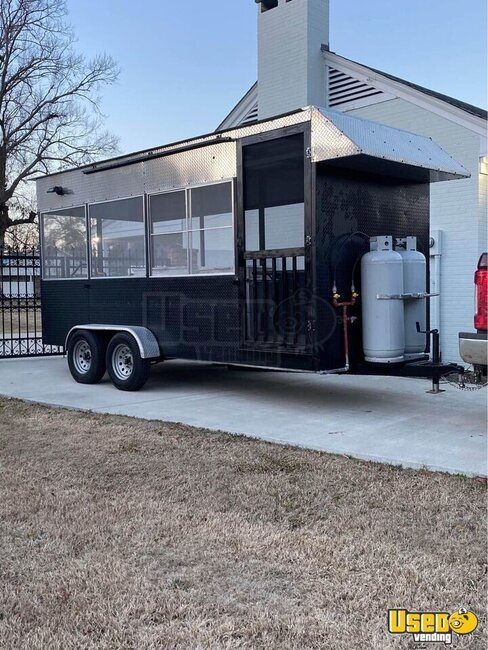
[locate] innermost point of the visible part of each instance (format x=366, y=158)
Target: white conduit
x=435, y=278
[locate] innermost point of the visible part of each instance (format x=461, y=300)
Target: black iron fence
x=20, y=305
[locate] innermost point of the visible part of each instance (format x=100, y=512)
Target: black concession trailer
x=240, y=247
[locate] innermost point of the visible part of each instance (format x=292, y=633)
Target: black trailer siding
x=192, y=318
x=348, y=202
x=64, y=304
x=185, y=314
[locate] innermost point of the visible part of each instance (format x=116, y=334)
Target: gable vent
x=344, y=89
x=251, y=116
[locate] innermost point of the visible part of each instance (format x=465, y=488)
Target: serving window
x=192, y=231
x=117, y=238
x=64, y=244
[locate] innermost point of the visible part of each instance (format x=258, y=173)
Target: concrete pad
x=389, y=420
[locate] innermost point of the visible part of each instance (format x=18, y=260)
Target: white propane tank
x=414, y=281
x=383, y=328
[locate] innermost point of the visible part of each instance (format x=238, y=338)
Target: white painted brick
x=291, y=69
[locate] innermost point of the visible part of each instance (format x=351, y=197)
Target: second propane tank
x=414, y=283
x=383, y=319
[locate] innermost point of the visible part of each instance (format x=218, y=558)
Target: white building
x=296, y=68
x=19, y=275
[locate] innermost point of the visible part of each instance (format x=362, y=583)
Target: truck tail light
x=481, y=284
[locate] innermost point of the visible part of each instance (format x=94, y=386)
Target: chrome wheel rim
x=82, y=357
x=122, y=362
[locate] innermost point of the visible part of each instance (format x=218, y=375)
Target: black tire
x=86, y=357
x=125, y=366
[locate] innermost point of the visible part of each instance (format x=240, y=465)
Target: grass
x=122, y=533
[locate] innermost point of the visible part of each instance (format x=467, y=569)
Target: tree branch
x=49, y=98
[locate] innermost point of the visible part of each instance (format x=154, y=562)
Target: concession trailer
x=296, y=243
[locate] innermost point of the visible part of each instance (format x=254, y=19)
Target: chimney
x=291, y=67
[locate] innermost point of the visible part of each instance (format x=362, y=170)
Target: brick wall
x=291, y=70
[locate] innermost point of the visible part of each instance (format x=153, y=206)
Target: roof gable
x=360, y=90
x=331, y=57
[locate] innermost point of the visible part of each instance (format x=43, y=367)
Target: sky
x=186, y=63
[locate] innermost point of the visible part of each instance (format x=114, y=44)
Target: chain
x=460, y=383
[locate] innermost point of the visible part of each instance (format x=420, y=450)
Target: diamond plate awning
x=348, y=141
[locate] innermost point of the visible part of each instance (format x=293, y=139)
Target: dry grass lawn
x=122, y=533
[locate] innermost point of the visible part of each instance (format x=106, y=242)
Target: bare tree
x=21, y=206
x=49, y=102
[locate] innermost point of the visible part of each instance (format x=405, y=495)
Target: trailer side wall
x=348, y=202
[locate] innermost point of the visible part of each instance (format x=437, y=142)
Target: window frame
x=147, y=234
x=117, y=277
x=42, y=242
x=150, y=234
x=189, y=230
x=303, y=129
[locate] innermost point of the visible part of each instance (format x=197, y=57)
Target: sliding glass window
x=64, y=244
x=117, y=238
x=169, y=236
x=192, y=231
x=212, y=235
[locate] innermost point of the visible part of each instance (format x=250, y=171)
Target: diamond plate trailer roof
x=338, y=139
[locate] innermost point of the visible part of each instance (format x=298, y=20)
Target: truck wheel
x=86, y=357
x=127, y=369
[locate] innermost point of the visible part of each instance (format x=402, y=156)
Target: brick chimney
x=291, y=68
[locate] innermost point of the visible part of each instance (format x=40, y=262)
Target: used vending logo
x=431, y=626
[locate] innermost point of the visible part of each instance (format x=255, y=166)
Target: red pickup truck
x=473, y=346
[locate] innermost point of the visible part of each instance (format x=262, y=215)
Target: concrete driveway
x=374, y=418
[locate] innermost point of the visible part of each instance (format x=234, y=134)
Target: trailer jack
x=436, y=364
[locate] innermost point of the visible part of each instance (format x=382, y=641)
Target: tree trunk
x=5, y=223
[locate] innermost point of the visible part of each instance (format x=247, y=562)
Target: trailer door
x=274, y=240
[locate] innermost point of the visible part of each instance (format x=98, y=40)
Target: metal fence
x=276, y=313
x=20, y=305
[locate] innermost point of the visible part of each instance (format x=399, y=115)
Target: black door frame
x=309, y=225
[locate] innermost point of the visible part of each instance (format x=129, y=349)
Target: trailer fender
x=147, y=342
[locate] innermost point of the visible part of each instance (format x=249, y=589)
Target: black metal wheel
x=86, y=357
x=127, y=369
